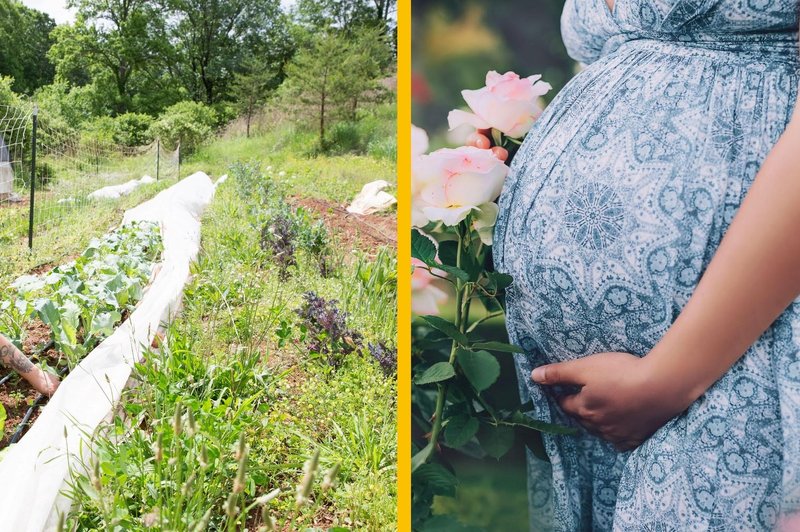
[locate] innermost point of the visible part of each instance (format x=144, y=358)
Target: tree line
x=123, y=57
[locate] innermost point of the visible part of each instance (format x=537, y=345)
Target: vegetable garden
x=268, y=402
x=197, y=354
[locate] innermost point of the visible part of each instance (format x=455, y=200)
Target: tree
x=370, y=56
x=346, y=15
x=328, y=75
x=25, y=38
x=109, y=44
x=251, y=87
x=213, y=36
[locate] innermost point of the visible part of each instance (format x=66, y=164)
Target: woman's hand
x=621, y=398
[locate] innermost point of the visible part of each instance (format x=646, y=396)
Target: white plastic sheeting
x=34, y=471
x=6, y=177
x=372, y=198
x=115, y=191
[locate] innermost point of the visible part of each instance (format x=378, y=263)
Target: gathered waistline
x=747, y=48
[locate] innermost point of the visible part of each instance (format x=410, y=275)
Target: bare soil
x=352, y=231
x=16, y=395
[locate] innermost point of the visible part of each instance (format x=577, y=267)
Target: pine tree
x=252, y=86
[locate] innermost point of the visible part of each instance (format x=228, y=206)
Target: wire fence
x=69, y=170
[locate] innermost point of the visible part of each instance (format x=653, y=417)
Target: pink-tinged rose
x=449, y=183
x=419, y=141
x=507, y=103
x=419, y=145
x=425, y=297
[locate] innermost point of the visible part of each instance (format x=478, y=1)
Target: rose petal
x=419, y=141
x=449, y=216
x=457, y=117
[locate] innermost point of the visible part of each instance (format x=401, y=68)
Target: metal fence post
x=158, y=156
x=33, y=176
x=179, y=159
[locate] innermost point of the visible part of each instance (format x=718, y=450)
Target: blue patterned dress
x=614, y=206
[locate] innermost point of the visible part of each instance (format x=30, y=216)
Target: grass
x=235, y=404
x=291, y=149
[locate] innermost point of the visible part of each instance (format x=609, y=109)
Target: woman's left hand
x=620, y=399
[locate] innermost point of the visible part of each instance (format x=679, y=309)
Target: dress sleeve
x=586, y=26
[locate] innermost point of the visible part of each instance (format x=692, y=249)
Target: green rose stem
x=461, y=319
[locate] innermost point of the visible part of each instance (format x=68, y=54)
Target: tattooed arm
x=14, y=359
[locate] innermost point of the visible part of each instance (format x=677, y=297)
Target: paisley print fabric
x=614, y=206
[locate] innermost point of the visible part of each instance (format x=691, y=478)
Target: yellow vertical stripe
x=404, y=265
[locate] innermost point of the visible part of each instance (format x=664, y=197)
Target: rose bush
x=454, y=210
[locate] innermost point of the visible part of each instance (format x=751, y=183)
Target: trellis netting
x=70, y=165
x=34, y=471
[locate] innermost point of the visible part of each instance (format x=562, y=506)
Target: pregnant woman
x=651, y=222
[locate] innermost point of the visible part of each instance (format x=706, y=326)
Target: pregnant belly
x=613, y=209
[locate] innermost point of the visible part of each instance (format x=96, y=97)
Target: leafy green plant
x=453, y=367
x=83, y=300
x=252, y=183
x=312, y=236
x=284, y=229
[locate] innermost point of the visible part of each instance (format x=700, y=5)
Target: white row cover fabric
x=33, y=472
x=372, y=198
x=6, y=178
x=115, y=191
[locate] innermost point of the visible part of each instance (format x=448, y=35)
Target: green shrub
x=100, y=129
x=133, y=129
x=345, y=137
x=187, y=123
x=225, y=113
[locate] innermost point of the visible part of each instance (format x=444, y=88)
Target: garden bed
x=57, y=315
x=16, y=395
x=86, y=396
x=271, y=354
x=365, y=232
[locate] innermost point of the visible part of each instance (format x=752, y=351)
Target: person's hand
x=620, y=398
x=11, y=357
x=45, y=383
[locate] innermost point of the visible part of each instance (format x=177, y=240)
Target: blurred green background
x=454, y=44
